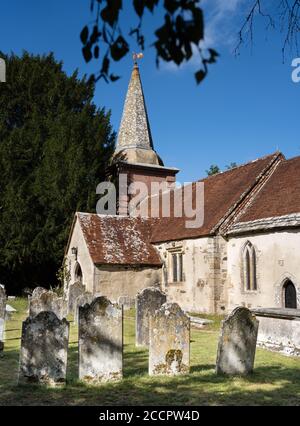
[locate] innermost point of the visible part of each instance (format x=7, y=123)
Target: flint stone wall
x=169, y=350
x=100, y=341
x=148, y=301
x=237, y=343
x=44, y=349
x=47, y=301
x=279, y=330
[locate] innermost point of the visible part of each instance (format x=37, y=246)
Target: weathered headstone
x=82, y=300
x=147, y=302
x=44, y=349
x=127, y=302
x=2, y=316
x=169, y=349
x=47, y=301
x=37, y=292
x=237, y=343
x=100, y=341
x=74, y=291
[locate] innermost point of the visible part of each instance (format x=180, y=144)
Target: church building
x=246, y=253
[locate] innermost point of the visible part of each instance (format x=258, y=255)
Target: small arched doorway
x=290, y=295
x=78, y=273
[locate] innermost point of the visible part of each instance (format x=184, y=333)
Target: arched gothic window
x=249, y=267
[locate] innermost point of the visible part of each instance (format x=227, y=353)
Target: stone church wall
x=204, y=274
x=277, y=260
x=83, y=259
x=115, y=281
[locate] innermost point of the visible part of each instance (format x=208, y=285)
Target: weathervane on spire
x=136, y=56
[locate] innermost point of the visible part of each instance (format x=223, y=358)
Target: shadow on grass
x=268, y=385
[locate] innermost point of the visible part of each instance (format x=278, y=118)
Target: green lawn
x=276, y=380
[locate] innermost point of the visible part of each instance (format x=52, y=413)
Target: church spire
x=134, y=138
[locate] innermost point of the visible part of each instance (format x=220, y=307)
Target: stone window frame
x=249, y=268
x=179, y=253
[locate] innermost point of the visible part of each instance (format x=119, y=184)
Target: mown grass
x=276, y=380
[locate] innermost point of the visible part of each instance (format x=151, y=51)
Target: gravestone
x=74, y=291
x=82, y=300
x=237, y=343
x=37, y=292
x=100, y=341
x=147, y=302
x=127, y=302
x=2, y=316
x=169, y=349
x=47, y=301
x=44, y=349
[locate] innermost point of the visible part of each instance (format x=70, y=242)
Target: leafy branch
x=176, y=39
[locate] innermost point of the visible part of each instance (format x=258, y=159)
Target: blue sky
x=247, y=107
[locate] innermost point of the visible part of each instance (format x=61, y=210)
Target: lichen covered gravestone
x=44, y=349
x=74, y=291
x=237, y=343
x=100, y=341
x=82, y=300
x=147, y=302
x=2, y=316
x=47, y=301
x=37, y=292
x=169, y=349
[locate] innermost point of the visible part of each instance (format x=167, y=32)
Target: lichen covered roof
x=118, y=239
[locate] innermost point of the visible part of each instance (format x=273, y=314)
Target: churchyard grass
x=276, y=380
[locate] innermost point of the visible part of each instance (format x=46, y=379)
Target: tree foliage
x=54, y=146
x=231, y=166
x=176, y=40
x=213, y=170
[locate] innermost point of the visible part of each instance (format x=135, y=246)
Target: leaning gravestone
x=47, y=301
x=237, y=343
x=83, y=299
x=100, y=341
x=169, y=349
x=147, y=302
x=2, y=316
x=44, y=349
x=74, y=291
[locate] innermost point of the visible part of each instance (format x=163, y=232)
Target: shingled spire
x=134, y=138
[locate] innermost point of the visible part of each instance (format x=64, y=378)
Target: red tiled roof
x=222, y=192
x=118, y=240
x=280, y=195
